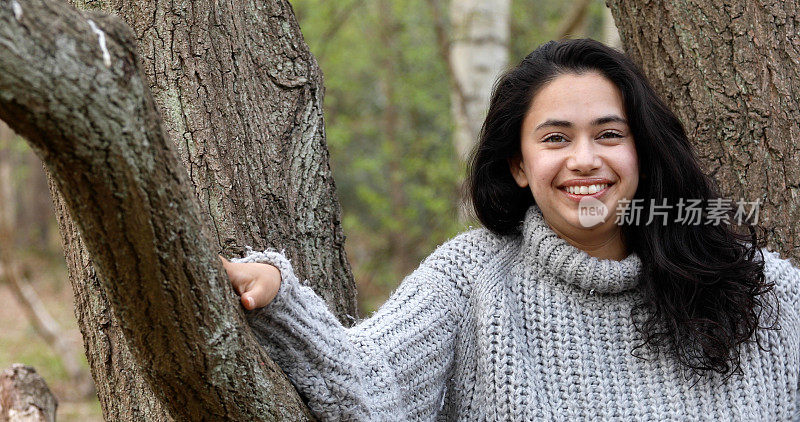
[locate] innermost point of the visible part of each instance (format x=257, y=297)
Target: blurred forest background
x=390, y=101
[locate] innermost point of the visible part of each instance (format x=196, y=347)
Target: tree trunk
x=478, y=53
x=732, y=74
x=25, y=396
x=610, y=32
x=241, y=97
x=112, y=365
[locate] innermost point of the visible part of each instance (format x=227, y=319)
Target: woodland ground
x=19, y=342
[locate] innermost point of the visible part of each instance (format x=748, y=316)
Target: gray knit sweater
x=515, y=328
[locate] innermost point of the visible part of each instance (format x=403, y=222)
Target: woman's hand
x=256, y=284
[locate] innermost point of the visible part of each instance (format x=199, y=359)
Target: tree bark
x=96, y=127
x=731, y=72
x=111, y=361
x=25, y=396
x=241, y=98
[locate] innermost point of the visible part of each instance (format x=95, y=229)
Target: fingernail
x=250, y=302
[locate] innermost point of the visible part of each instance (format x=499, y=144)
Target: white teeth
x=586, y=190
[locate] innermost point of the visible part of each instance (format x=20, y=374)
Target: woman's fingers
x=238, y=275
x=255, y=297
x=264, y=287
x=248, y=302
x=256, y=284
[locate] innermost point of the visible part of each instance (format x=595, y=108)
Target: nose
x=583, y=157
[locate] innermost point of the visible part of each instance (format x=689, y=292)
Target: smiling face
x=576, y=144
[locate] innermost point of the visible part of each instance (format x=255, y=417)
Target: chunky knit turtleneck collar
x=572, y=265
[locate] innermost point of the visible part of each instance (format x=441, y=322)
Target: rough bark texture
x=111, y=362
x=241, y=98
x=70, y=83
x=25, y=396
x=731, y=72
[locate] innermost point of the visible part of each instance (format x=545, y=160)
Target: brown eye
x=555, y=139
x=612, y=135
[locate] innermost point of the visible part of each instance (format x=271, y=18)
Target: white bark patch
x=101, y=37
x=17, y=9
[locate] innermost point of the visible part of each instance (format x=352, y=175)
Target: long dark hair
x=702, y=285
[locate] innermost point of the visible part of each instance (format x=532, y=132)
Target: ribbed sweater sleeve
x=786, y=278
x=392, y=366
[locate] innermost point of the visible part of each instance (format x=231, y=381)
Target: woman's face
x=577, y=148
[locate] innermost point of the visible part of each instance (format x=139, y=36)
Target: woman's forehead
x=579, y=100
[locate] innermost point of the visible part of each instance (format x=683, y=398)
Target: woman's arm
x=391, y=366
x=786, y=278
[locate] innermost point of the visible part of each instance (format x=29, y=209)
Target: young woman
x=544, y=314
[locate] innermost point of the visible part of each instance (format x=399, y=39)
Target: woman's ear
x=518, y=171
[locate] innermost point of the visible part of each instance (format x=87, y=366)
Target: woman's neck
x=599, y=244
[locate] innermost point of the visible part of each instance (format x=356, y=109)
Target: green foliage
x=41, y=357
x=534, y=22
x=390, y=129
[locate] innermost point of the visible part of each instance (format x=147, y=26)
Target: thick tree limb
x=241, y=97
x=70, y=84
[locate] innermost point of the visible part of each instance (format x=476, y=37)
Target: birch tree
x=476, y=51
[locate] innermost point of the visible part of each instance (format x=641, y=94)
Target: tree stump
x=25, y=397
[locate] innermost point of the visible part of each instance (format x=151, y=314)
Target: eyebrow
x=596, y=122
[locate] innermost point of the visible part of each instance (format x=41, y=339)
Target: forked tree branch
x=70, y=84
